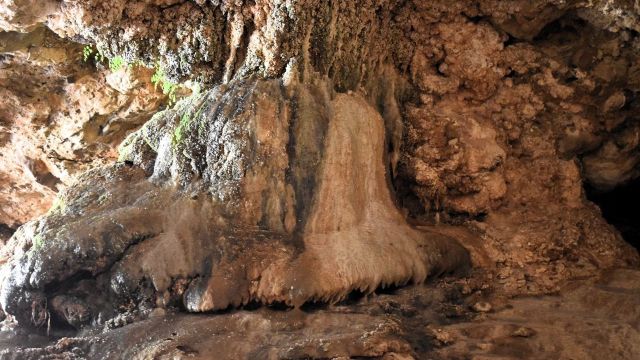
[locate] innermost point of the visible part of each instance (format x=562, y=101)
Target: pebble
x=157, y=312
x=443, y=336
x=524, y=332
x=482, y=306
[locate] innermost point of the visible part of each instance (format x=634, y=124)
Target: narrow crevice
x=564, y=29
x=619, y=207
x=5, y=233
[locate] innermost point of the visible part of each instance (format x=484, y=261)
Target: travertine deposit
x=317, y=150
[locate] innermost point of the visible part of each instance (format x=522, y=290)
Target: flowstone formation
x=338, y=147
x=261, y=191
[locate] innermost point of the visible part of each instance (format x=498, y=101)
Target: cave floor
x=595, y=318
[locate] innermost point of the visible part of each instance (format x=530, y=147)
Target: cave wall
x=60, y=115
x=496, y=112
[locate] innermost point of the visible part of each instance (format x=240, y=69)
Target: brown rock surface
x=592, y=319
x=336, y=148
x=58, y=118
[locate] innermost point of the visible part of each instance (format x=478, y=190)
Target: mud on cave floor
x=451, y=318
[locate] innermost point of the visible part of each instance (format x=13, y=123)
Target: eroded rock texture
x=228, y=212
x=412, y=323
x=336, y=146
x=506, y=130
x=58, y=118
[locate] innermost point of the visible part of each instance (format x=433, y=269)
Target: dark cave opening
x=5, y=233
x=620, y=207
x=564, y=29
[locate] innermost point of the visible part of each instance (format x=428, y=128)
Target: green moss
x=168, y=87
x=99, y=57
x=58, y=206
x=38, y=241
x=86, y=52
x=116, y=63
x=157, y=76
x=179, y=133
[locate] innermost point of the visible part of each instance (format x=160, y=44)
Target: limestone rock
x=58, y=118
x=335, y=147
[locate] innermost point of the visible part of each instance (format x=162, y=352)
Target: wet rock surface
x=595, y=319
x=433, y=321
x=228, y=214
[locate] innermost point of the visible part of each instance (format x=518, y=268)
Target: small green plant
x=178, y=134
x=116, y=63
x=38, y=241
x=99, y=56
x=157, y=76
x=58, y=205
x=86, y=52
x=168, y=87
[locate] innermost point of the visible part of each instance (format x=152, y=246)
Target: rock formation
x=59, y=118
x=331, y=147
